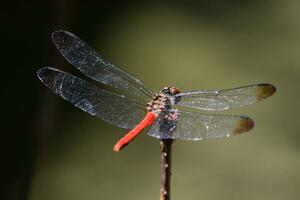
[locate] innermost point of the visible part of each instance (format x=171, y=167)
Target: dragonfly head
x=171, y=91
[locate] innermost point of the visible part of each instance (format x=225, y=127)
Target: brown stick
x=165, y=168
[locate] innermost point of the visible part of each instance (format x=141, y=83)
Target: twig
x=165, y=168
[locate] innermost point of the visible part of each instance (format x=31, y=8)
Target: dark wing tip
x=63, y=39
x=244, y=125
x=46, y=74
x=58, y=33
x=265, y=90
x=39, y=72
x=42, y=73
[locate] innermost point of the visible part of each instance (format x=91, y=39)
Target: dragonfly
x=135, y=107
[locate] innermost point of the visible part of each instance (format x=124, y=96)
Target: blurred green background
x=52, y=150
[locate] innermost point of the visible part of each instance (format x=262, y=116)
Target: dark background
x=51, y=150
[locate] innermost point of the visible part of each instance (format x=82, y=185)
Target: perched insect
x=141, y=107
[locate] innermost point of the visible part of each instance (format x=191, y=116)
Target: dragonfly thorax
x=163, y=100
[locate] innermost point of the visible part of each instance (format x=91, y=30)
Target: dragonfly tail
x=147, y=121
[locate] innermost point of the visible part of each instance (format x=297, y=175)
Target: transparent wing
x=116, y=109
x=213, y=100
x=175, y=124
x=95, y=66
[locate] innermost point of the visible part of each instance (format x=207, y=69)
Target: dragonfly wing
x=116, y=109
x=175, y=124
x=214, y=100
x=95, y=66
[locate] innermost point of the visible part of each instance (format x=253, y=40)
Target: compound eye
x=174, y=90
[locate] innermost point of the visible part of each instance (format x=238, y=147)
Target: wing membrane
x=214, y=100
x=175, y=124
x=116, y=109
x=95, y=66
